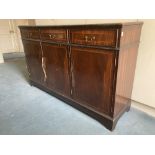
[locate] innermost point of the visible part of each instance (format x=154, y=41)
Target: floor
x=25, y=109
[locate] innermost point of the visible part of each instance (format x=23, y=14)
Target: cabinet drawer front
x=30, y=33
x=99, y=37
x=54, y=35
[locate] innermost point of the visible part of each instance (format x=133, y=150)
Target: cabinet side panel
x=129, y=44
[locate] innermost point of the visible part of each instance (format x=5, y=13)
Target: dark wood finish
x=33, y=55
x=56, y=35
x=31, y=33
x=100, y=37
x=95, y=75
x=92, y=75
x=126, y=66
x=57, y=68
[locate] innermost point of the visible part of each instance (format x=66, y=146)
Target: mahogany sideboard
x=90, y=67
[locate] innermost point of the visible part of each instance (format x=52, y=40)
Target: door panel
x=92, y=71
x=57, y=68
x=33, y=55
x=8, y=36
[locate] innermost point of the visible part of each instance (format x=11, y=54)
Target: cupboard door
x=33, y=56
x=57, y=68
x=92, y=76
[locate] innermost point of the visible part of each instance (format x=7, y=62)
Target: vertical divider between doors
x=70, y=70
x=43, y=61
x=69, y=62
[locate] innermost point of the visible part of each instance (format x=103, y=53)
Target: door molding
x=8, y=36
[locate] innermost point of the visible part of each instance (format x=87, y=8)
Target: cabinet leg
x=109, y=124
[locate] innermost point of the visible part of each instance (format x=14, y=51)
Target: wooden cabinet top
x=111, y=25
x=94, y=35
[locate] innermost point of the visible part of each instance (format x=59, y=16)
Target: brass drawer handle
x=52, y=36
x=93, y=38
x=89, y=39
x=86, y=38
